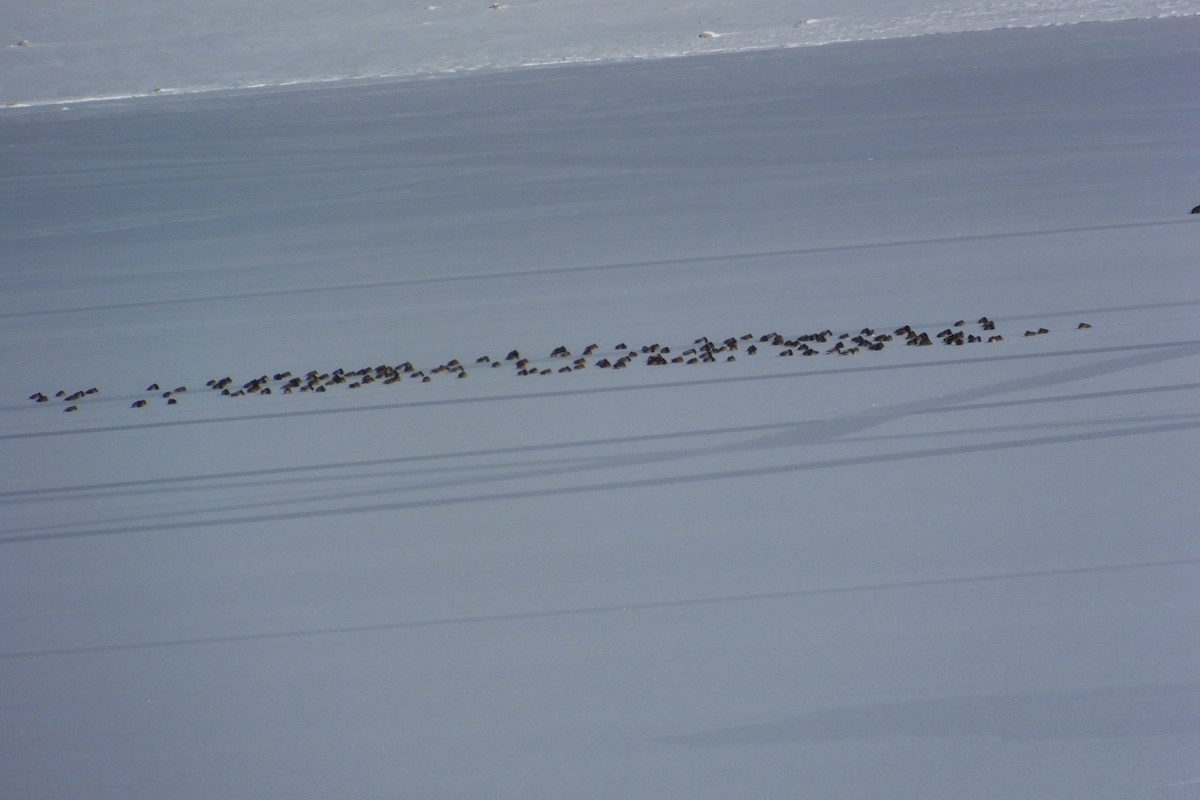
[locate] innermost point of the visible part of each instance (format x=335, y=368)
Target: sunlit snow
x=910, y=571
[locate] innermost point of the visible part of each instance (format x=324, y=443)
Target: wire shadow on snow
x=218, y=479
x=610, y=486
x=593, y=268
x=474, y=474
x=801, y=434
x=1188, y=347
x=507, y=472
x=622, y=608
x=876, y=416
x=1101, y=713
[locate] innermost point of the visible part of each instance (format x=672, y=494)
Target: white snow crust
x=75, y=50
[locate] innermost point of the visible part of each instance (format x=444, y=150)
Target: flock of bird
x=561, y=360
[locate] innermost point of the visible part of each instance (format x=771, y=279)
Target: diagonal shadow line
x=1075, y=312
x=187, y=485
x=648, y=483
x=507, y=473
x=806, y=433
x=550, y=446
x=483, y=474
x=800, y=434
x=1031, y=401
x=1088, y=713
x=557, y=465
x=966, y=580
x=602, y=390
x=854, y=423
x=592, y=268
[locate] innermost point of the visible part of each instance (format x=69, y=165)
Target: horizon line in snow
x=426, y=72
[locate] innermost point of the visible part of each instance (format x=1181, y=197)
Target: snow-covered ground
x=944, y=571
x=77, y=49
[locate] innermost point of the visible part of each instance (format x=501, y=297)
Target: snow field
x=936, y=571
